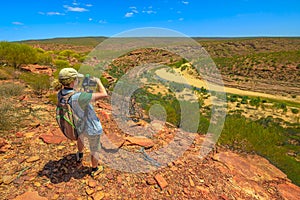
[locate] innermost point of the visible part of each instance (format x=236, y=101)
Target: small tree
x=15, y=54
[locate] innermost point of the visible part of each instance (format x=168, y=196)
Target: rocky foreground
x=38, y=162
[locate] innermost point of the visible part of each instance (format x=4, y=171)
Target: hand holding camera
x=89, y=81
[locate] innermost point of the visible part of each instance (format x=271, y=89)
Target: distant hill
x=247, y=62
x=77, y=41
x=216, y=46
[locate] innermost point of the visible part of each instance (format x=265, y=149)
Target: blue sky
x=38, y=19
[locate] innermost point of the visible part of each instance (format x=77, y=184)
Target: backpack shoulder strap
x=66, y=97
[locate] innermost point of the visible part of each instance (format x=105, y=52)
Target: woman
x=80, y=103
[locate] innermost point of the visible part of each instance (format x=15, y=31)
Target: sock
x=80, y=154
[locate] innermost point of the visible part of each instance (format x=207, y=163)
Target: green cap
x=67, y=73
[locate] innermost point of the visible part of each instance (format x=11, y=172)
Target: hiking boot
x=79, y=156
x=96, y=171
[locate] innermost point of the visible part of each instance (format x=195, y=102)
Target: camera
x=88, y=82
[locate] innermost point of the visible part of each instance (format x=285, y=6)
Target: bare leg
x=94, y=159
x=80, y=144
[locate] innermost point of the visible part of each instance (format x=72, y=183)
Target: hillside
x=256, y=157
x=39, y=163
x=269, y=65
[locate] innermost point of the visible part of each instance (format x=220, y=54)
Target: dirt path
x=180, y=77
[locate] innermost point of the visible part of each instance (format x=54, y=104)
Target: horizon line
x=196, y=37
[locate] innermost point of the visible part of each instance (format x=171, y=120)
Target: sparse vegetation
x=10, y=89
x=264, y=137
x=40, y=83
x=294, y=110
x=179, y=63
x=15, y=54
x=240, y=60
x=10, y=114
x=255, y=102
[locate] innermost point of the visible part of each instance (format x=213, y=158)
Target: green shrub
x=104, y=81
x=16, y=54
x=66, y=53
x=172, y=107
x=6, y=117
x=11, y=89
x=82, y=59
x=265, y=137
x=61, y=64
x=38, y=82
x=232, y=98
x=53, y=98
x=294, y=110
x=255, y=101
x=244, y=100
x=61, y=58
x=6, y=73
x=44, y=59
x=116, y=71
x=11, y=116
x=281, y=105
x=179, y=63
x=203, y=125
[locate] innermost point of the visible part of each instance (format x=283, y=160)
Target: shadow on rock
x=64, y=169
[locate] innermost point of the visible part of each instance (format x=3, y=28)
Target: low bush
x=294, y=110
x=12, y=116
x=10, y=89
x=40, y=83
x=53, y=98
x=255, y=101
x=244, y=100
x=280, y=105
x=7, y=73
x=264, y=137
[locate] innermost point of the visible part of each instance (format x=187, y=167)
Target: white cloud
x=90, y=19
x=129, y=14
x=55, y=13
x=89, y=5
x=149, y=12
x=185, y=2
x=18, y=23
x=133, y=9
x=51, y=13
x=102, y=22
x=75, y=9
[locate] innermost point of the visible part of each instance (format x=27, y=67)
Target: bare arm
x=101, y=93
